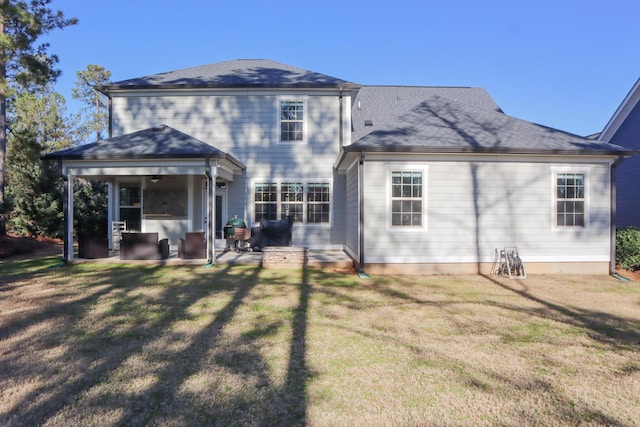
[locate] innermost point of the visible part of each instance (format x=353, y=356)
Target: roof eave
x=490, y=150
x=222, y=156
x=232, y=159
x=106, y=89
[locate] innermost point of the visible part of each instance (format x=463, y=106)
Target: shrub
x=628, y=248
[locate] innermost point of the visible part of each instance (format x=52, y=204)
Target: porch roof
x=160, y=142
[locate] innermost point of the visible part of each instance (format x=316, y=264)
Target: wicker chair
x=193, y=246
x=143, y=246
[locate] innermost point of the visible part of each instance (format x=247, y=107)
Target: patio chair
x=117, y=228
x=193, y=246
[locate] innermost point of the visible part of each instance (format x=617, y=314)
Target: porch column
x=211, y=172
x=110, y=200
x=68, y=219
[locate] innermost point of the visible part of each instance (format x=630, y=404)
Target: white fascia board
x=120, y=168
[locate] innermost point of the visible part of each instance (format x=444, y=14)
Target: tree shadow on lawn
x=94, y=356
x=603, y=327
x=479, y=379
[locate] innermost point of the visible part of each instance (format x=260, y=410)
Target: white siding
x=352, y=212
x=246, y=126
x=477, y=206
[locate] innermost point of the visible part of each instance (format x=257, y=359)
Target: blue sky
x=561, y=63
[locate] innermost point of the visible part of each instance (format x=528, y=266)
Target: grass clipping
x=92, y=344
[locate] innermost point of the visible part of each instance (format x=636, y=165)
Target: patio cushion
x=143, y=246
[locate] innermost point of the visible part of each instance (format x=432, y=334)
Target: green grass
x=98, y=344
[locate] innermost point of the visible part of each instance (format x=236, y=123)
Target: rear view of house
x=403, y=179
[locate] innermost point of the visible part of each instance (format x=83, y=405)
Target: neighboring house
x=623, y=129
x=404, y=179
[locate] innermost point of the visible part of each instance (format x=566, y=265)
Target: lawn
x=92, y=344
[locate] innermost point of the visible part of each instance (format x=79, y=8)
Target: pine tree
x=95, y=113
x=23, y=62
x=38, y=124
x=90, y=197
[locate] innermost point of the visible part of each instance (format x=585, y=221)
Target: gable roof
x=153, y=143
x=624, y=110
x=239, y=73
x=443, y=125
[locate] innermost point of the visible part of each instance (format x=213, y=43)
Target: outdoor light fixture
x=155, y=178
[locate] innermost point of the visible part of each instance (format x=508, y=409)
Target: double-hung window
x=292, y=201
x=266, y=201
x=570, y=203
x=292, y=119
x=305, y=202
x=407, y=206
x=318, y=202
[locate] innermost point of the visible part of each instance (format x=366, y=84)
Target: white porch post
x=211, y=172
x=68, y=219
x=110, y=200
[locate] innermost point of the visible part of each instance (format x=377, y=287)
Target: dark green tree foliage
x=37, y=125
x=23, y=62
x=90, y=207
x=95, y=113
x=628, y=248
x=90, y=197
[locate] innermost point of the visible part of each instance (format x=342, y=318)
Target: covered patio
x=160, y=181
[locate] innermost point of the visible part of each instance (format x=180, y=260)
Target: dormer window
x=292, y=114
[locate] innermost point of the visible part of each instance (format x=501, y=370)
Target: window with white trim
x=266, y=201
x=406, y=198
x=570, y=199
x=318, y=203
x=292, y=201
x=305, y=202
x=292, y=120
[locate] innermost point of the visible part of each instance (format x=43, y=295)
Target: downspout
x=210, y=220
x=612, y=254
x=361, y=214
x=340, y=100
x=110, y=126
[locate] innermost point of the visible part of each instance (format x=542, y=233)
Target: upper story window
x=292, y=120
x=570, y=206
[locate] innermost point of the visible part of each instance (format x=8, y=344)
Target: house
x=403, y=179
x=623, y=129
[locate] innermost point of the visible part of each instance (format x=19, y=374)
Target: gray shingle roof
x=380, y=106
x=153, y=143
x=252, y=73
x=439, y=124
